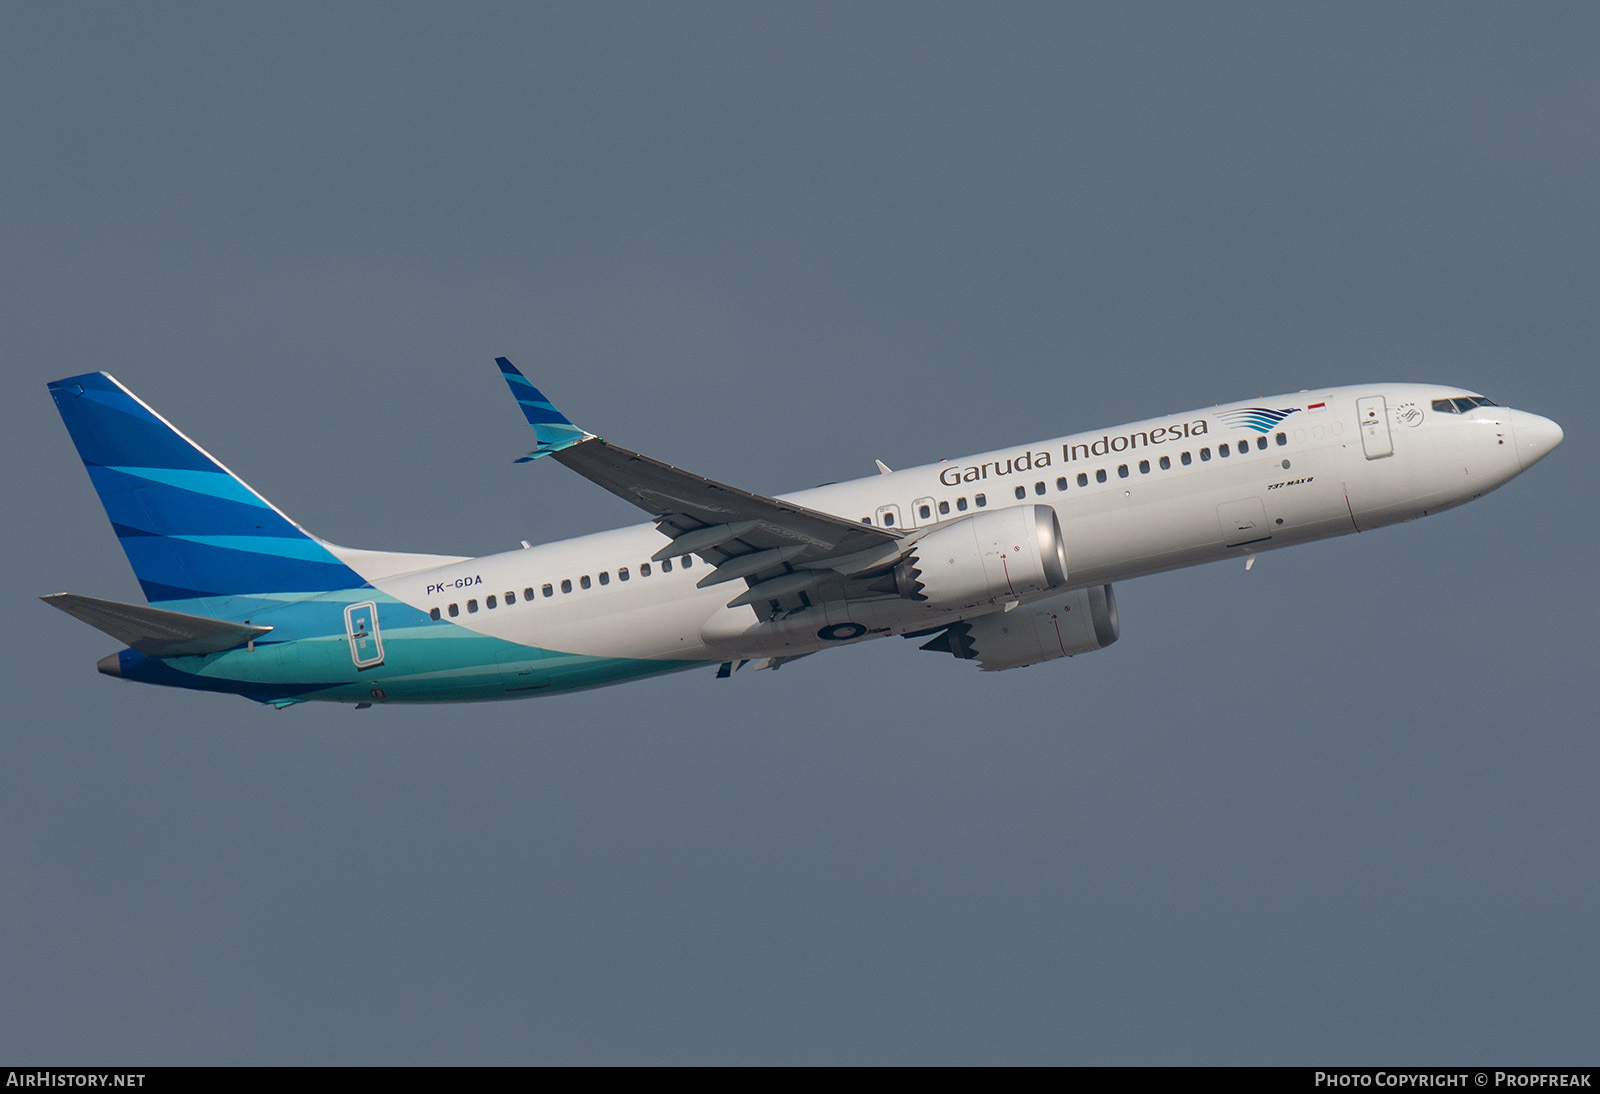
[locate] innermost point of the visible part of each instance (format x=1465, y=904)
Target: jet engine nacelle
x=990, y=558
x=1057, y=626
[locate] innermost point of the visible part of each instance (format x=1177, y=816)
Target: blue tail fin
x=194, y=533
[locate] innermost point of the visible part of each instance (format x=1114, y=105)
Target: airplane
x=1006, y=558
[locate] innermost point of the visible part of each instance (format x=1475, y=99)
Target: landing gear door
x=1374, y=415
x=361, y=625
x=1243, y=522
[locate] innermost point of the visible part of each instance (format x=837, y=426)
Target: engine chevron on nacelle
x=1003, y=555
x=1081, y=621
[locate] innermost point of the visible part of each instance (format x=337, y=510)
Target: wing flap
x=702, y=539
x=777, y=588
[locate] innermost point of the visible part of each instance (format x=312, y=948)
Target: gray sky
x=1341, y=809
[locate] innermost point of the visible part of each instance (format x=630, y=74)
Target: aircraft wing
x=781, y=550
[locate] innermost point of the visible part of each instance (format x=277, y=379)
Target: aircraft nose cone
x=1536, y=438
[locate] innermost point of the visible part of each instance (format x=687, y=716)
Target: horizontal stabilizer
x=154, y=632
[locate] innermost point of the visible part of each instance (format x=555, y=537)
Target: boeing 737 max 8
x=1006, y=558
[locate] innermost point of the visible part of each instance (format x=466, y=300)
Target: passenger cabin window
x=944, y=507
x=622, y=573
x=1083, y=478
x=961, y=504
x=433, y=613
x=548, y=591
x=527, y=594
x=666, y=565
x=1022, y=492
x=605, y=577
x=1122, y=471
x=888, y=520
x=566, y=584
x=1222, y=450
x=1186, y=459
x=644, y=569
x=1261, y=444
x=585, y=582
x=1061, y=483
x=980, y=500
x=1144, y=467
x=1282, y=438
x=511, y=597
x=1038, y=488
x=455, y=610
x=1100, y=475
x=490, y=601
x=1166, y=463
x=472, y=606
x=924, y=512
x=1205, y=454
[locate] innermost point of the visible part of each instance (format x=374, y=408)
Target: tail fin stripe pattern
x=216, y=484
x=191, y=529
x=151, y=506
x=304, y=550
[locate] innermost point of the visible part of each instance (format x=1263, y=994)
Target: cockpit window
x=1462, y=404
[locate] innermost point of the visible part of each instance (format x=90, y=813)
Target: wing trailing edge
x=781, y=549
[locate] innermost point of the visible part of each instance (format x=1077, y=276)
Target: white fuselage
x=1137, y=499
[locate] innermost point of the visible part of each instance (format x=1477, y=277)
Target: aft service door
x=1374, y=415
x=521, y=669
x=366, y=644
